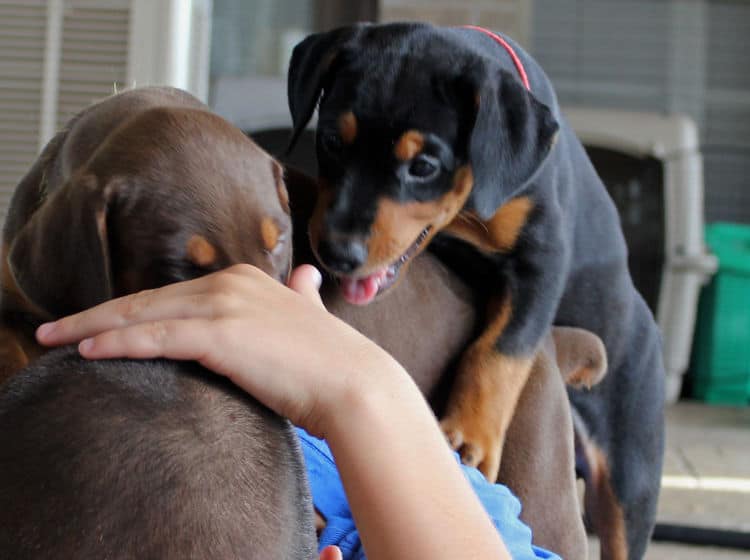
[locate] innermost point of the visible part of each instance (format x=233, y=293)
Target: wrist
x=375, y=392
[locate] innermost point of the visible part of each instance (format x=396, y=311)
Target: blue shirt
x=330, y=500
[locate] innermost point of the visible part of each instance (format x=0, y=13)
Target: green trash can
x=721, y=347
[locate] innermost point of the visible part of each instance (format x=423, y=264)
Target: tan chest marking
x=498, y=234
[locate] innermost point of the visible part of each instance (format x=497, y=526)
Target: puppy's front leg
x=496, y=367
x=487, y=387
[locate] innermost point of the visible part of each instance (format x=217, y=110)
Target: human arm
x=281, y=346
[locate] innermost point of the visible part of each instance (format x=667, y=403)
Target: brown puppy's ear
x=511, y=137
x=310, y=71
x=60, y=258
x=581, y=356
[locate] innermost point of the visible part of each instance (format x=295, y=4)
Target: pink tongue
x=361, y=291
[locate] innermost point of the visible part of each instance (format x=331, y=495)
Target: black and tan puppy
x=146, y=459
x=539, y=462
x=144, y=188
x=456, y=133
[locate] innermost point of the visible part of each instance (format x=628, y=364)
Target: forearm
x=405, y=489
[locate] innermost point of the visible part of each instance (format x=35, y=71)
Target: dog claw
x=477, y=449
x=471, y=455
x=453, y=436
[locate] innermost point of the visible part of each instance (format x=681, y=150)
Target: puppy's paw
x=478, y=447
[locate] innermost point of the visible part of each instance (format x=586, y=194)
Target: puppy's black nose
x=342, y=256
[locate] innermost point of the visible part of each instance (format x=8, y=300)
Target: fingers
x=306, y=280
x=180, y=339
x=209, y=296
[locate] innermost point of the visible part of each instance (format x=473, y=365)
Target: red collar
x=511, y=52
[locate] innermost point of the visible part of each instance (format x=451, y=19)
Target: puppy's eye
x=273, y=236
x=423, y=167
x=279, y=245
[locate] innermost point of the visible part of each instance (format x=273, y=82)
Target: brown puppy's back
x=149, y=459
x=425, y=324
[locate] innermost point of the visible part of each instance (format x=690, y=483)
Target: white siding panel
x=22, y=38
x=657, y=55
x=93, y=61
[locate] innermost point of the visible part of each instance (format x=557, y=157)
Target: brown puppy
x=147, y=459
x=142, y=189
x=125, y=459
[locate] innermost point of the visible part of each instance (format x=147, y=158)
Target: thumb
x=331, y=553
x=306, y=280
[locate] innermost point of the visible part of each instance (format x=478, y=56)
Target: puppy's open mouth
x=362, y=290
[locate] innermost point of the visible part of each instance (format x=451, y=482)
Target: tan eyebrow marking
x=269, y=233
x=200, y=251
x=409, y=145
x=348, y=127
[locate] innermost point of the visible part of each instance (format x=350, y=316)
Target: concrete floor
x=706, y=478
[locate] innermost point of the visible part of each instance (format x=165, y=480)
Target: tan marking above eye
x=409, y=145
x=348, y=127
x=200, y=251
x=270, y=233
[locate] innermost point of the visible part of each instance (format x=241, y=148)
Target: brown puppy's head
x=413, y=129
x=171, y=194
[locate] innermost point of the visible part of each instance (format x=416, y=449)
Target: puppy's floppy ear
x=581, y=356
x=309, y=73
x=512, y=135
x=60, y=258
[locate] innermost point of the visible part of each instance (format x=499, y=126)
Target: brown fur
x=281, y=188
x=110, y=204
x=140, y=459
x=123, y=459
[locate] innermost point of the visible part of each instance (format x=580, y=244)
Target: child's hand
x=279, y=344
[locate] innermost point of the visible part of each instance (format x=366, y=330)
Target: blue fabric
x=330, y=500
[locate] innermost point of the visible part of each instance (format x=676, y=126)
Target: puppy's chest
x=498, y=235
